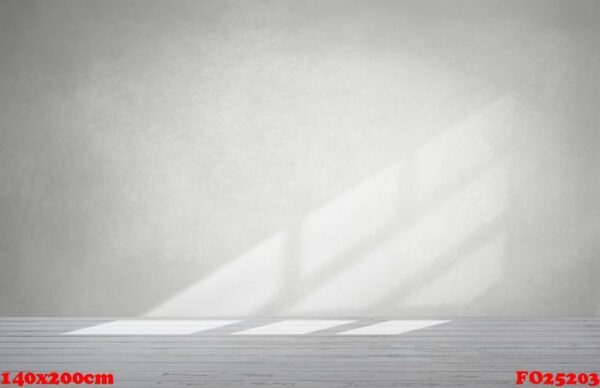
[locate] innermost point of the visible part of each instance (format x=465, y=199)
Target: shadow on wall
x=315, y=158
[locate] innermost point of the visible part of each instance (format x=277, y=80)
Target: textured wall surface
x=330, y=158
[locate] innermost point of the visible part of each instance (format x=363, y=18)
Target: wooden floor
x=482, y=352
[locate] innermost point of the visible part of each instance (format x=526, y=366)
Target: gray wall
x=299, y=158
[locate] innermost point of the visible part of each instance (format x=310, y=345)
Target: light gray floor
x=482, y=352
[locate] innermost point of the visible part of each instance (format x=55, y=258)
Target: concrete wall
x=299, y=158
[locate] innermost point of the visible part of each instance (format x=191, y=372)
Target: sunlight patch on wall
x=454, y=155
x=242, y=285
x=465, y=280
x=401, y=238
x=353, y=217
x=439, y=238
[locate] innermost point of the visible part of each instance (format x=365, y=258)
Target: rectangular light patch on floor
x=392, y=327
x=151, y=327
x=293, y=327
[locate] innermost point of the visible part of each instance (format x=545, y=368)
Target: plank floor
x=477, y=352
